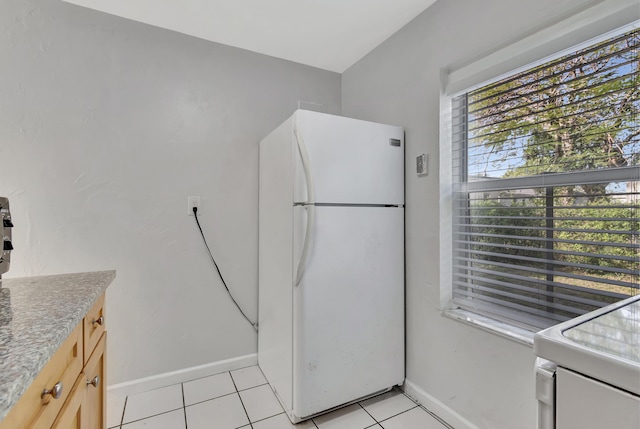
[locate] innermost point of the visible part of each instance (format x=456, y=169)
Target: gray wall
x=106, y=126
x=486, y=379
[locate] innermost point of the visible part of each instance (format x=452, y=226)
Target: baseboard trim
x=180, y=376
x=432, y=404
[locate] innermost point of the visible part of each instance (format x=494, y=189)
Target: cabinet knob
x=99, y=321
x=55, y=391
x=95, y=381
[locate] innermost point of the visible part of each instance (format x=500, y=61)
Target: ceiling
x=329, y=34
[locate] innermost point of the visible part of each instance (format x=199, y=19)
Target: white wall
x=106, y=126
x=485, y=379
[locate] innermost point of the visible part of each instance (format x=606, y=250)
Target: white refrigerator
x=331, y=261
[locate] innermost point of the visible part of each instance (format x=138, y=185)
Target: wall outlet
x=193, y=202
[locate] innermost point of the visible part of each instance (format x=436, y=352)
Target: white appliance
x=588, y=370
x=331, y=261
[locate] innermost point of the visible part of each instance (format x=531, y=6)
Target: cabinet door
x=70, y=415
x=94, y=380
x=85, y=407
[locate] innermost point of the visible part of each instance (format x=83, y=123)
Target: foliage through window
x=546, y=168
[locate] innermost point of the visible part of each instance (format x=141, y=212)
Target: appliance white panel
x=351, y=161
x=584, y=403
x=603, y=344
x=349, y=306
x=275, y=254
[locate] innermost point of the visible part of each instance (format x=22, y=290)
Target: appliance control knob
x=8, y=245
x=7, y=223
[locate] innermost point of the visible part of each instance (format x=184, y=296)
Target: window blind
x=546, y=168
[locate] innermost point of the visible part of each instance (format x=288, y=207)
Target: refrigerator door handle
x=306, y=165
x=311, y=213
x=311, y=199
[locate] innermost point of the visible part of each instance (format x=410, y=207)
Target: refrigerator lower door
x=348, y=307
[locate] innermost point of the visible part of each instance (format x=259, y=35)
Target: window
x=546, y=187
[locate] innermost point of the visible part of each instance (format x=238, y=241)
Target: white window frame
x=595, y=23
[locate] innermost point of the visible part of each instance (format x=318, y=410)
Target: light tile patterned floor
x=242, y=399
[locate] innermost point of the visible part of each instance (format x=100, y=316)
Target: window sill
x=487, y=324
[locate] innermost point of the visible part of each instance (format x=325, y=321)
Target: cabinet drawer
x=36, y=410
x=94, y=325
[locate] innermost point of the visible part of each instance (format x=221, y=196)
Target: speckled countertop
x=36, y=315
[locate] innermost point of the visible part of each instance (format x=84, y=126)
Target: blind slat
x=542, y=228
x=557, y=285
x=549, y=100
x=619, y=174
x=553, y=240
x=549, y=304
x=540, y=290
x=529, y=269
x=544, y=261
x=545, y=250
x=490, y=87
x=537, y=84
x=478, y=298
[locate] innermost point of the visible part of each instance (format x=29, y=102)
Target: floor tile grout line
x=154, y=415
x=368, y=413
x=226, y=372
x=396, y=415
x=258, y=421
x=184, y=407
x=241, y=403
x=210, y=399
x=275, y=415
x=253, y=387
x=245, y=410
x=124, y=408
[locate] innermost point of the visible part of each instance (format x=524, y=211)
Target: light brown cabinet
x=69, y=392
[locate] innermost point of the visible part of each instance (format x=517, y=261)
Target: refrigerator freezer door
x=349, y=306
x=351, y=161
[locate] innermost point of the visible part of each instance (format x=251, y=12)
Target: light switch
x=422, y=165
